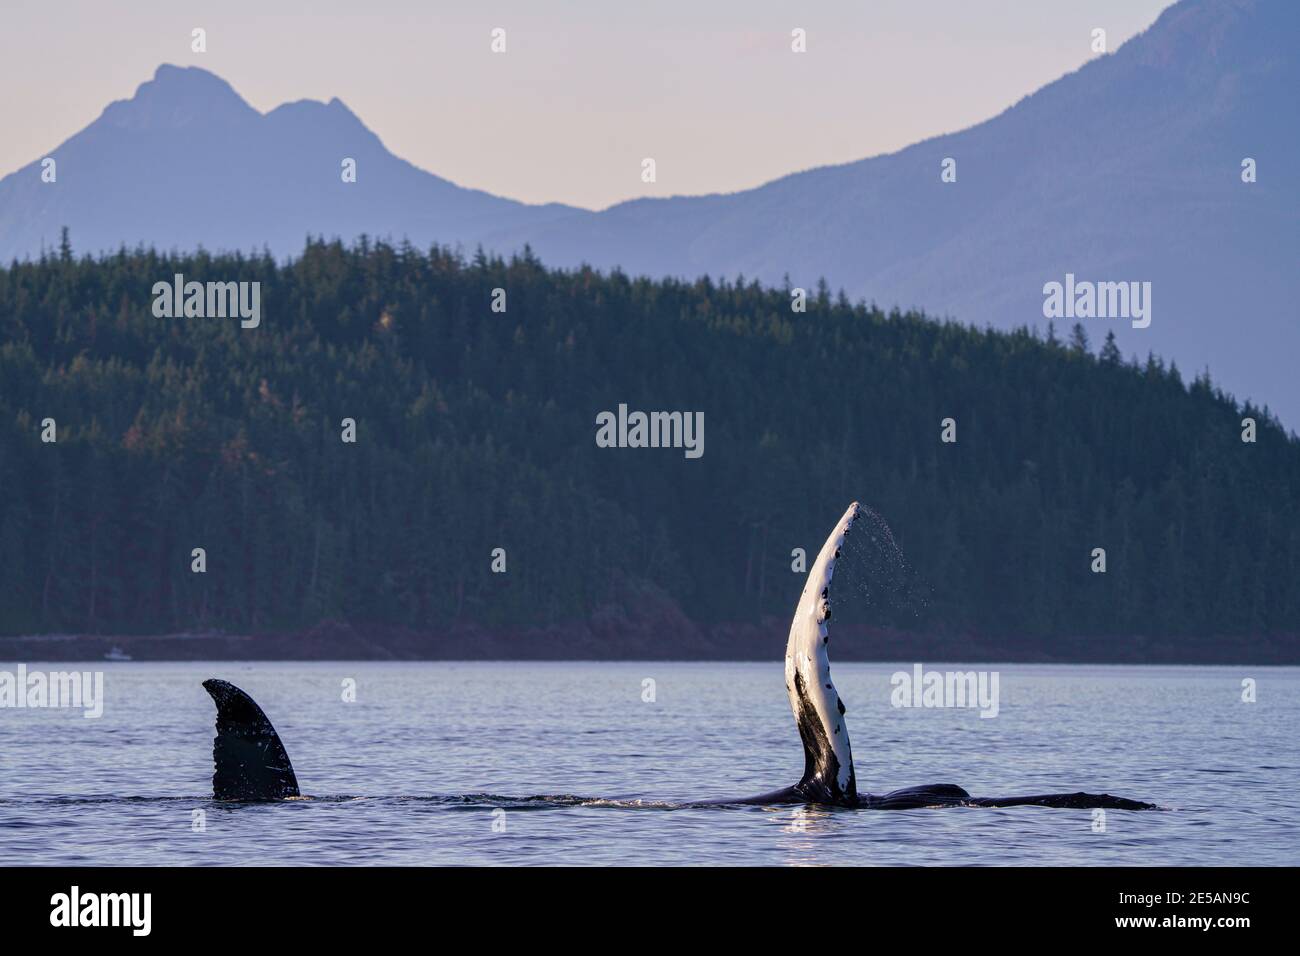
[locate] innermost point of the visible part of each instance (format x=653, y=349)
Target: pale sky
x=587, y=88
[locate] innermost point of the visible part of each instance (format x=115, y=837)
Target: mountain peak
x=338, y=106
x=335, y=112
x=189, y=80
x=180, y=96
x=1200, y=34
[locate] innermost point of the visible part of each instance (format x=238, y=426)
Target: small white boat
x=117, y=654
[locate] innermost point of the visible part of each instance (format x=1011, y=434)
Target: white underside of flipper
x=818, y=711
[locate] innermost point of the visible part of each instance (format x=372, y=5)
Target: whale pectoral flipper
x=828, y=775
x=250, y=761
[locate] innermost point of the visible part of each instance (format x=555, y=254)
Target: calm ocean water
x=412, y=772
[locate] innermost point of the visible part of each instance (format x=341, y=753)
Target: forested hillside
x=475, y=430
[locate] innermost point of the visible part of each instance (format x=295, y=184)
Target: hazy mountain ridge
x=186, y=162
x=1127, y=169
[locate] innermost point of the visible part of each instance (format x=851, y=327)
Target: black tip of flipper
x=250, y=762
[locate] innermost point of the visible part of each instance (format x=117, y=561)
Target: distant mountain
x=187, y=162
x=1127, y=170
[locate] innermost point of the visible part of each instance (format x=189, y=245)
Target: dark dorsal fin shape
x=250, y=760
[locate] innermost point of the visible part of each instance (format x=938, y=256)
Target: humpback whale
x=828, y=774
x=251, y=762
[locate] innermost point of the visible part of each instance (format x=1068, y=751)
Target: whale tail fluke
x=250, y=761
